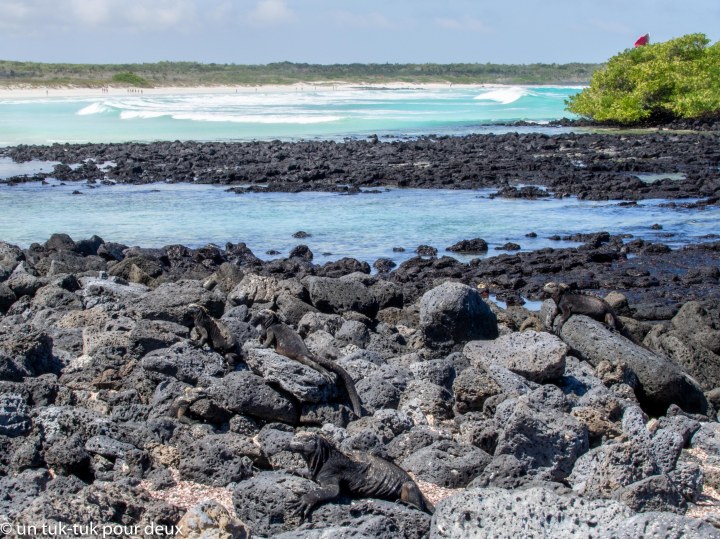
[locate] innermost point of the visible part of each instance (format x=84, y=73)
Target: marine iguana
x=361, y=474
x=573, y=302
x=213, y=332
x=289, y=344
x=180, y=406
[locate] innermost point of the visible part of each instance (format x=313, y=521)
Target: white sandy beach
x=18, y=92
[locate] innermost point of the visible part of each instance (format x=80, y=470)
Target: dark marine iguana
x=213, y=333
x=571, y=302
x=181, y=405
x=289, y=344
x=361, y=475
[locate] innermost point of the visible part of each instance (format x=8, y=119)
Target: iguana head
x=553, y=289
x=198, y=311
x=314, y=448
x=264, y=318
x=196, y=307
x=305, y=443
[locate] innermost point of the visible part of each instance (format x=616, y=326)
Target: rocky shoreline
x=111, y=414
x=510, y=429
x=588, y=165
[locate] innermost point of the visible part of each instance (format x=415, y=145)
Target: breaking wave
x=256, y=119
x=504, y=96
x=93, y=108
x=141, y=114
x=233, y=118
x=284, y=114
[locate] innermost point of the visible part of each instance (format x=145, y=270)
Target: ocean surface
x=307, y=113
x=364, y=226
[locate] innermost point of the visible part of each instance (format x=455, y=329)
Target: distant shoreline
x=29, y=92
x=14, y=74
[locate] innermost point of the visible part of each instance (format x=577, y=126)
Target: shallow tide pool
x=364, y=226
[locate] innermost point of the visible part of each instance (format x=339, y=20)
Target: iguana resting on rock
x=180, y=406
x=289, y=344
x=573, y=302
x=361, y=475
x=213, y=332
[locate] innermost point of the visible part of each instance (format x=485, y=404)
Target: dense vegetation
x=131, y=79
x=677, y=79
x=196, y=74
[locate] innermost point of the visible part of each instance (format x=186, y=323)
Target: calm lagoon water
x=364, y=226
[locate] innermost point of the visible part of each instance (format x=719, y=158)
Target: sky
x=342, y=31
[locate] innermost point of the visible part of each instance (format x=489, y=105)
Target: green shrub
x=130, y=78
x=665, y=81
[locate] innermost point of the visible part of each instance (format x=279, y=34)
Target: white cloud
x=464, y=24
x=91, y=13
x=14, y=15
x=13, y=10
x=370, y=20
x=272, y=12
x=170, y=14
x=34, y=15
x=221, y=13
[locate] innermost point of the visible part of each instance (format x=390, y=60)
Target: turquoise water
x=364, y=226
x=286, y=115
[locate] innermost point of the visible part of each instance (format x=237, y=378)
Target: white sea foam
x=321, y=112
x=214, y=109
x=41, y=101
x=300, y=98
x=93, y=108
x=142, y=114
x=256, y=119
x=504, y=96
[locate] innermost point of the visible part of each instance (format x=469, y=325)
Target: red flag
x=644, y=40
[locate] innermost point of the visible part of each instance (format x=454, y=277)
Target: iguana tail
x=614, y=321
x=347, y=382
x=410, y=493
